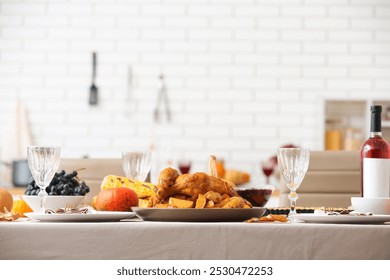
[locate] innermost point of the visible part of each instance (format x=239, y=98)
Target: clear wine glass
x=43, y=163
x=293, y=164
x=136, y=165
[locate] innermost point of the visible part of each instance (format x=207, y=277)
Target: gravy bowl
x=257, y=196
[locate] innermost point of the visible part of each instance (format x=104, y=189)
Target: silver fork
x=68, y=207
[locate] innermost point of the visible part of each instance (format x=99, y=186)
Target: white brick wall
x=243, y=76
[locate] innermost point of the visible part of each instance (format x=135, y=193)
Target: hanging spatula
x=93, y=91
x=162, y=99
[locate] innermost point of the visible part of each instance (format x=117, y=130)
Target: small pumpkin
x=93, y=202
x=6, y=201
x=116, y=199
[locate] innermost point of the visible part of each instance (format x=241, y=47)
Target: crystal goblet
x=43, y=163
x=293, y=164
x=136, y=165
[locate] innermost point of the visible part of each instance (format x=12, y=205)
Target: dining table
x=129, y=239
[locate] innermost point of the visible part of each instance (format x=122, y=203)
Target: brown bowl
x=257, y=196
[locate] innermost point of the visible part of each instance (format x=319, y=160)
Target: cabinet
x=347, y=123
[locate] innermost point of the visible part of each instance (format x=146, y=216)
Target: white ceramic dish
x=52, y=202
x=100, y=216
x=198, y=215
x=380, y=205
x=343, y=219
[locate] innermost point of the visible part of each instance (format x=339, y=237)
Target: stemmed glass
x=293, y=164
x=267, y=166
x=43, y=163
x=184, y=166
x=136, y=165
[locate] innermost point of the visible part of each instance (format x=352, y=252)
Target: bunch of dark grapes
x=62, y=184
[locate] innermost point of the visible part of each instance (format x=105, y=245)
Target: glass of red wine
x=267, y=166
x=184, y=166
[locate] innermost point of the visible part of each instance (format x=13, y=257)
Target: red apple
x=116, y=199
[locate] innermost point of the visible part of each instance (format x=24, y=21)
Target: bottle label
x=376, y=177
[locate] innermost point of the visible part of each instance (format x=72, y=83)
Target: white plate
x=198, y=215
x=343, y=219
x=101, y=216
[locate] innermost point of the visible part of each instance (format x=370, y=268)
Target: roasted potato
x=144, y=203
x=201, y=201
x=180, y=203
x=162, y=205
x=235, y=202
x=222, y=203
x=213, y=196
x=209, y=204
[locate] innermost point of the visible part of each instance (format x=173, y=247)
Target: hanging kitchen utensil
x=93, y=91
x=162, y=99
x=128, y=107
x=129, y=83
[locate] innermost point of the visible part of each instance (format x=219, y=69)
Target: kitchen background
x=243, y=77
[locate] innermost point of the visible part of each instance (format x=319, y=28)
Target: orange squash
x=220, y=166
x=237, y=177
x=6, y=201
x=21, y=207
x=116, y=199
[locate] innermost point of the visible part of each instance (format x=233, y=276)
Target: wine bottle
x=375, y=160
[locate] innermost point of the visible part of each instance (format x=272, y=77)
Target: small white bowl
x=53, y=202
x=377, y=205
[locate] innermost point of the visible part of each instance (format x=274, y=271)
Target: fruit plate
x=100, y=216
x=198, y=215
x=343, y=219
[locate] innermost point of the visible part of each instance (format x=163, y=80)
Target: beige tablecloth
x=163, y=240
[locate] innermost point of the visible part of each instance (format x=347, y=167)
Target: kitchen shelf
x=347, y=122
